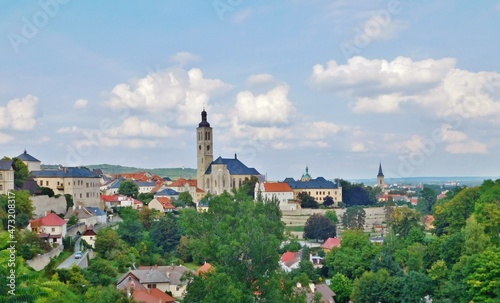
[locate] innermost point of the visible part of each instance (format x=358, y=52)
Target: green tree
x=403, y=219
x=69, y=201
x=21, y=172
x=23, y=207
x=332, y=215
x=131, y=231
x=354, y=218
x=415, y=286
x=106, y=294
x=128, y=213
x=319, y=227
x=475, y=240
x=306, y=201
x=145, y=197
x=165, y=233
x=47, y=191
x=184, y=200
x=106, y=240
x=342, y=287
x=375, y=287
x=248, y=185
x=129, y=188
x=240, y=238
x=100, y=272
x=146, y=216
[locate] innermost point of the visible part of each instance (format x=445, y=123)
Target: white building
x=280, y=191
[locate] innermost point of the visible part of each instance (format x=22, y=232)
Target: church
x=223, y=174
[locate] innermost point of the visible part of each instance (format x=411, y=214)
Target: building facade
x=280, y=191
x=318, y=188
x=31, y=162
x=81, y=183
x=6, y=176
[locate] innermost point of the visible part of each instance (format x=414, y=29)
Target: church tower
x=204, y=148
x=380, y=176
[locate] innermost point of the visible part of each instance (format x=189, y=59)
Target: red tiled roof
x=157, y=187
x=277, y=187
x=181, y=182
x=207, y=267
x=288, y=257
x=142, y=176
x=89, y=232
x=166, y=202
x=49, y=220
x=109, y=198
x=153, y=295
x=331, y=243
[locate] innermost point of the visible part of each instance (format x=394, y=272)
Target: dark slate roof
x=167, y=192
x=234, y=166
x=31, y=186
x=27, y=157
x=5, y=164
x=380, y=173
x=65, y=172
x=204, y=122
x=319, y=182
x=144, y=184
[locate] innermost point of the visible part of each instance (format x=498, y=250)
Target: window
x=46, y=183
x=87, y=195
x=53, y=229
x=41, y=183
x=151, y=285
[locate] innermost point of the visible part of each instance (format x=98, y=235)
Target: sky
x=339, y=86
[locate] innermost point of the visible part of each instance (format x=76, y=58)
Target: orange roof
x=277, y=187
x=181, y=182
x=142, y=176
x=49, y=220
x=166, y=202
x=109, y=198
x=153, y=295
x=207, y=267
x=331, y=243
x=288, y=257
x=157, y=187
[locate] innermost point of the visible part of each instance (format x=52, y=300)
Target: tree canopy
x=129, y=188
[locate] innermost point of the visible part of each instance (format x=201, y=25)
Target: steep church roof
x=380, y=173
x=235, y=167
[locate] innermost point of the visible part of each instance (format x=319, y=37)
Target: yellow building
x=318, y=188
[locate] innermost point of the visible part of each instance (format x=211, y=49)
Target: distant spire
x=25, y=150
x=380, y=173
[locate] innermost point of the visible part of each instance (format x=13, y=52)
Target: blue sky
x=336, y=85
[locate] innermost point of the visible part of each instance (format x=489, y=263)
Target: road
x=82, y=263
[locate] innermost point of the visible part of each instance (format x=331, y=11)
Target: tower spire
x=380, y=173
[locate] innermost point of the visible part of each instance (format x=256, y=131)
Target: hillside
x=173, y=173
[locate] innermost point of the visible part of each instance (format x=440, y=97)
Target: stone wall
x=38, y=263
x=44, y=204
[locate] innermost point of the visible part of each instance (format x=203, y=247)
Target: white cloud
x=184, y=58
x=270, y=108
x=470, y=147
x=19, y=114
x=435, y=86
x=184, y=93
x=449, y=135
x=258, y=79
x=80, y=103
x=379, y=104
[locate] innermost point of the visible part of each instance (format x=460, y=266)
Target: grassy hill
x=173, y=173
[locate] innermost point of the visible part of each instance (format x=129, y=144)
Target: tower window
x=199, y=147
x=208, y=147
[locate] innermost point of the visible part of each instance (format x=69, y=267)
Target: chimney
x=235, y=156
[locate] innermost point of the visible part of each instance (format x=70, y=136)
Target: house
x=31, y=162
x=327, y=295
x=174, y=273
x=6, y=176
x=145, y=186
x=202, y=205
x=330, y=243
x=223, y=174
x=120, y=201
x=89, y=236
x=280, y=191
x=188, y=185
x=84, y=216
x=318, y=188
x=161, y=204
x=149, y=278
x=51, y=228
x=290, y=260
x=79, y=182
x=167, y=192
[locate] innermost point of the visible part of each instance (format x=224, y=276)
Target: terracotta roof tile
x=277, y=187
x=331, y=243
